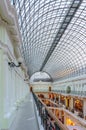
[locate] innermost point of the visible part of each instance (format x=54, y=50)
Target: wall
x=13, y=88
x=5, y=39
x=41, y=86
x=76, y=84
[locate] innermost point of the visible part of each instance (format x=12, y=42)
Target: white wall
x=13, y=88
x=41, y=86
x=4, y=37
x=77, y=84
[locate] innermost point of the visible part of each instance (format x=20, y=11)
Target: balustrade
x=46, y=119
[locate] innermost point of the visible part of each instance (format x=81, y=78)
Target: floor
x=39, y=119
x=25, y=118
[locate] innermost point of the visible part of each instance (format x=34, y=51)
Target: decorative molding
x=41, y=83
x=7, y=52
x=9, y=19
x=71, y=80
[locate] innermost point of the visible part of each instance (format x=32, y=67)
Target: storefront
x=78, y=107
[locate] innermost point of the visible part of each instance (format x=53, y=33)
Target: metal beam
x=71, y=12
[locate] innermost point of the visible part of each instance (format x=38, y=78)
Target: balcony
x=75, y=93
x=58, y=106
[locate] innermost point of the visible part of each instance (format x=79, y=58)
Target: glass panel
x=39, y=22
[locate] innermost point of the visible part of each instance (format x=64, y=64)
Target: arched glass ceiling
x=43, y=24
x=70, y=54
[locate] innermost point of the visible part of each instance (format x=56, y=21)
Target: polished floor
x=25, y=117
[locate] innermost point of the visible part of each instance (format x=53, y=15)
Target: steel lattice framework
x=53, y=36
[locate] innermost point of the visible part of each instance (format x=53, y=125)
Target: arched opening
x=40, y=77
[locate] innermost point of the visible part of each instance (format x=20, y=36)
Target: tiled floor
x=25, y=117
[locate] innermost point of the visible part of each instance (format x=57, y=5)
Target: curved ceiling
x=53, y=36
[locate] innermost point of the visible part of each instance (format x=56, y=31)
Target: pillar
x=49, y=88
x=84, y=109
x=71, y=103
x=3, y=119
x=31, y=88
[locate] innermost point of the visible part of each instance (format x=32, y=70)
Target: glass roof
x=53, y=36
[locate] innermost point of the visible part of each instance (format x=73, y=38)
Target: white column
x=84, y=108
x=6, y=87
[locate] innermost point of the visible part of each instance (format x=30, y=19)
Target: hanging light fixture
x=12, y=64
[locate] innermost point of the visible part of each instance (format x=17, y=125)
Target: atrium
x=42, y=64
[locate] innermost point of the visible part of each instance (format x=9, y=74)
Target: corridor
x=25, y=116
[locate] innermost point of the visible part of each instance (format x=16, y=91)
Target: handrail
x=54, y=117
x=36, y=114
x=78, y=119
